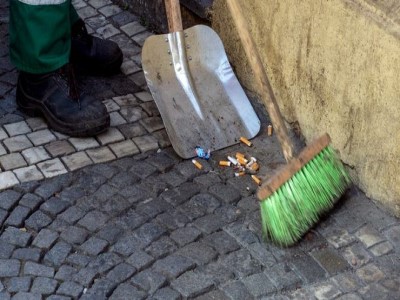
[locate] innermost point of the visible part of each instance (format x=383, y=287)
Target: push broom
x=294, y=199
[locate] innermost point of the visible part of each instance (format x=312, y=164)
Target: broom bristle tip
x=289, y=212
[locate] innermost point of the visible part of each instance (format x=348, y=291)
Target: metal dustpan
x=195, y=89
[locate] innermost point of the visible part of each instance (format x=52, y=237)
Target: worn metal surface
x=196, y=91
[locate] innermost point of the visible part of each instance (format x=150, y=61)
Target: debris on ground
x=241, y=164
x=201, y=153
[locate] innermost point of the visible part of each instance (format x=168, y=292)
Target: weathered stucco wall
x=335, y=67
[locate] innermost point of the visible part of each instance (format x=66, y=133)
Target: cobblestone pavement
x=120, y=216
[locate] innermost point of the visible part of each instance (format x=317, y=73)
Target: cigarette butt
x=255, y=167
x=246, y=141
x=251, y=162
x=197, y=164
x=233, y=160
x=238, y=154
x=256, y=179
x=270, y=129
x=238, y=174
x=242, y=161
x=224, y=163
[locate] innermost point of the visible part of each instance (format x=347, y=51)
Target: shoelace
x=67, y=76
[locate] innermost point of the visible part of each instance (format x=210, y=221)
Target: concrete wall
x=335, y=67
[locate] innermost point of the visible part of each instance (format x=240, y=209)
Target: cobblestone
x=12, y=161
x=347, y=282
x=259, y=285
x=125, y=291
x=17, y=128
x=28, y=174
x=370, y=273
x=101, y=288
x=57, y=254
x=381, y=249
x=183, y=236
x=199, y=253
x=6, y=250
x=26, y=296
x=44, y=286
x=45, y=239
x=38, y=220
x=236, y=290
x=78, y=260
x=93, y=220
x=356, y=255
x=173, y=266
x=35, y=269
x=326, y=290
x=308, y=269
x=222, y=242
x=369, y=236
x=331, y=261
x=27, y=254
x=16, y=237
x=74, y=235
x=59, y=148
x=149, y=281
x=9, y=267
x=65, y=272
x=69, y=288
x=121, y=216
x=192, y=284
x=35, y=155
x=167, y=293
x=121, y=272
x=17, y=143
x=19, y=284
x=161, y=247
x=283, y=277
x=17, y=217
x=94, y=246
x=52, y=168
x=7, y=180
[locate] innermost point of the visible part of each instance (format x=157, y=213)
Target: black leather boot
x=92, y=55
x=56, y=97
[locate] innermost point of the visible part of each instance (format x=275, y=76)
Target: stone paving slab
x=120, y=216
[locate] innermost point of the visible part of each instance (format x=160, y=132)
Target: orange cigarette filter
x=256, y=179
x=242, y=161
x=224, y=163
x=270, y=129
x=255, y=167
x=246, y=141
x=197, y=164
x=238, y=154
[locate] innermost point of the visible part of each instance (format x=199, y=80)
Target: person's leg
x=40, y=43
x=39, y=35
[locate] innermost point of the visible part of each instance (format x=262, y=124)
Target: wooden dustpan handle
x=264, y=86
x=174, y=16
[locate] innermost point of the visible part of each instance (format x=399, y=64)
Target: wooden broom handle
x=174, y=16
x=261, y=77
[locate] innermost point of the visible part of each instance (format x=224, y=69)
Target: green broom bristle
x=297, y=205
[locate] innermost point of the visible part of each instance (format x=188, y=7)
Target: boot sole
x=35, y=109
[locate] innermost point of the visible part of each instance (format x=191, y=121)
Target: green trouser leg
x=40, y=34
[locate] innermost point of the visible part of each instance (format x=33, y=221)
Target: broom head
x=308, y=186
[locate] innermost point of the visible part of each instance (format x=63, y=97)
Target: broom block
x=286, y=172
